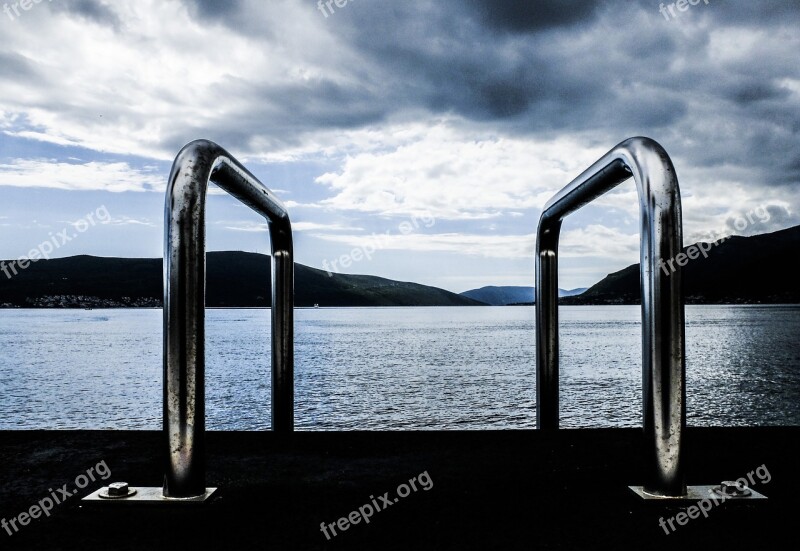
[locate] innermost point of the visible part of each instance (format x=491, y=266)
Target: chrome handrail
x=663, y=348
x=198, y=163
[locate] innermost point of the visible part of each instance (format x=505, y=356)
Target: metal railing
x=184, y=306
x=663, y=350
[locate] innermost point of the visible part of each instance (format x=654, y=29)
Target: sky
x=428, y=134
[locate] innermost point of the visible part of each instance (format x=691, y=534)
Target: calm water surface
x=395, y=368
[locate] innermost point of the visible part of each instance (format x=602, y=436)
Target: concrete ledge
x=490, y=490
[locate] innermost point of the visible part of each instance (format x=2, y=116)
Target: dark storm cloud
x=530, y=66
x=607, y=70
x=561, y=73
x=293, y=112
x=234, y=14
x=603, y=70
x=755, y=91
x=93, y=10
x=531, y=15
x=612, y=69
x=748, y=12
x=213, y=9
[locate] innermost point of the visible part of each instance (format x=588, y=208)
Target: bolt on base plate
x=144, y=495
x=694, y=494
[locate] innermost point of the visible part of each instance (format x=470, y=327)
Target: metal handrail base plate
x=148, y=495
x=695, y=494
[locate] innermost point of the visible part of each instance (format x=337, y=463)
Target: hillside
x=757, y=269
x=234, y=279
x=503, y=296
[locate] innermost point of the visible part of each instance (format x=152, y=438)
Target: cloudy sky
x=460, y=118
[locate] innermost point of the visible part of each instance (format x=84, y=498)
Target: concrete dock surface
x=472, y=490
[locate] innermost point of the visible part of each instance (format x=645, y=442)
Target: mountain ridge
x=754, y=269
x=506, y=295
x=233, y=279
x=735, y=270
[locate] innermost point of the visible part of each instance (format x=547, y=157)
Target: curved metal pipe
x=663, y=349
x=198, y=163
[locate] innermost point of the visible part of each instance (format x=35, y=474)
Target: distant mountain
x=234, y=279
x=571, y=292
x=500, y=296
x=503, y=296
x=757, y=269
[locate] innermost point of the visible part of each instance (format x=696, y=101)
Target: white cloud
x=600, y=241
x=312, y=226
x=490, y=246
x=456, y=175
x=161, y=76
x=730, y=45
x=711, y=197
x=593, y=241
x=128, y=221
x=296, y=226
x=45, y=173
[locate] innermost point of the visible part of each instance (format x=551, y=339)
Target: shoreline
x=621, y=304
